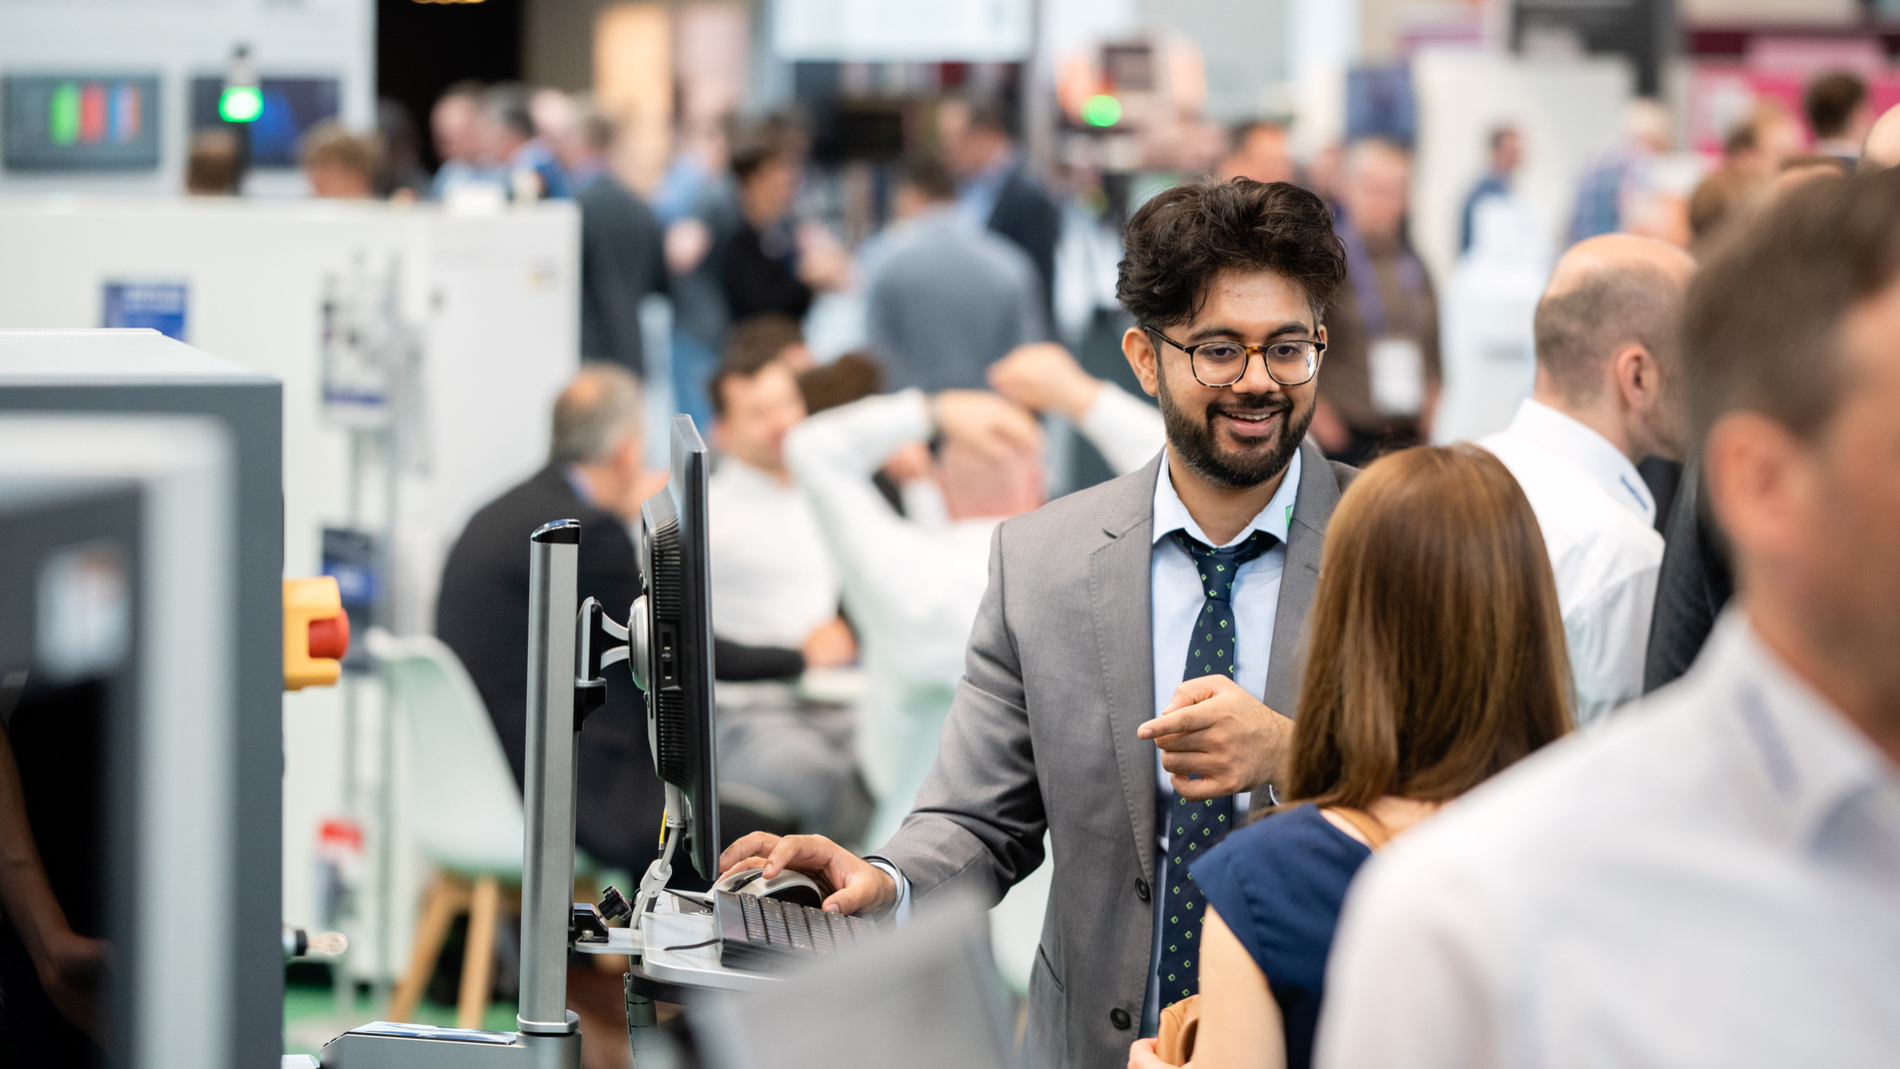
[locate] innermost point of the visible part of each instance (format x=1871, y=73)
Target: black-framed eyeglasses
x=1219, y=363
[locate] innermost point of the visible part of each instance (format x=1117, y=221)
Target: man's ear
x=1758, y=485
x=1638, y=377
x=1140, y=351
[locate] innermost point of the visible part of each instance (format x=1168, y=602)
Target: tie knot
x=1219, y=567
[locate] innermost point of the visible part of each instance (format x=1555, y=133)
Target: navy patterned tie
x=1194, y=827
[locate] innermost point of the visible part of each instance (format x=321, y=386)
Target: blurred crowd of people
x=857, y=497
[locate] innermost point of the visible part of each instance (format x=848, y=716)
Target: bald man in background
x=1607, y=395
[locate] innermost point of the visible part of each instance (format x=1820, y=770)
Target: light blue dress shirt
x=976, y=201
x=1176, y=595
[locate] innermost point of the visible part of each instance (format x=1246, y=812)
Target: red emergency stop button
x=330, y=637
x=316, y=633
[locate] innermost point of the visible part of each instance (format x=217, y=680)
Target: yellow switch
x=316, y=633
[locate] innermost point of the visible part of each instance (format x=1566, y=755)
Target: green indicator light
x=1102, y=110
x=62, y=114
x=240, y=103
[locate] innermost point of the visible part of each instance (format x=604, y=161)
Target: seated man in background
x=1609, y=392
x=774, y=584
x=339, y=164
x=1710, y=880
x=947, y=299
x=595, y=474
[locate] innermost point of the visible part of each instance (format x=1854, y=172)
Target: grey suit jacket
x=1041, y=736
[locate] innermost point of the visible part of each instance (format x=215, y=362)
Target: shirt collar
x=1276, y=519
x=1572, y=440
x=937, y=215
x=578, y=483
x=1814, y=759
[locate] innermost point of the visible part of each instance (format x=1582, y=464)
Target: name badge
x=1397, y=370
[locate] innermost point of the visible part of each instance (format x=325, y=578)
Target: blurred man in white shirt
x=773, y=581
x=912, y=583
x=774, y=585
x=1607, y=395
x=1714, y=879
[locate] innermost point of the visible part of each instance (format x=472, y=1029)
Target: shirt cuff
x=900, y=910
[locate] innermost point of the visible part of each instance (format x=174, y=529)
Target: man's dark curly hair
x=1185, y=236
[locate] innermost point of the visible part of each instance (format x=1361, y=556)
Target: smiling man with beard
x=1133, y=660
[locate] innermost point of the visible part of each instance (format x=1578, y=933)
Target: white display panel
x=877, y=30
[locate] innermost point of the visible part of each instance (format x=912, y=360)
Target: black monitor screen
x=673, y=563
x=291, y=107
x=79, y=122
x=68, y=671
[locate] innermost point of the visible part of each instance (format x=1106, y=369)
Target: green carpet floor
x=310, y=1017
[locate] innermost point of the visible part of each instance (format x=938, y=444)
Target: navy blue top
x=1278, y=884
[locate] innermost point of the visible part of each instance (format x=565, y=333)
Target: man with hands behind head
x=1126, y=680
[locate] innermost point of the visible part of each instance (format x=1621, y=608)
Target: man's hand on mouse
x=1216, y=739
x=862, y=886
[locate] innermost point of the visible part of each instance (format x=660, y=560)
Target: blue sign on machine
x=158, y=305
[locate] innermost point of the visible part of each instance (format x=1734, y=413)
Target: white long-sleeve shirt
x=1713, y=880
x=1598, y=519
x=1125, y=429
x=773, y=581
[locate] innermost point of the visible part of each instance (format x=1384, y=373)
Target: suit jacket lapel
x=1306, y=538
x=1120, y=600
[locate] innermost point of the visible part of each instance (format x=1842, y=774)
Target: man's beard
x=1197, y=442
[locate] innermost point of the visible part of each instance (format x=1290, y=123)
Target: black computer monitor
x=674, y=566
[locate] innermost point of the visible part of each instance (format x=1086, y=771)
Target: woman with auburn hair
x=1436, y=659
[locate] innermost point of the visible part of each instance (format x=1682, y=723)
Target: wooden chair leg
x=478, y=964
x=446, y=897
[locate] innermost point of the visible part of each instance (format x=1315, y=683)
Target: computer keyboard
x=759, y=932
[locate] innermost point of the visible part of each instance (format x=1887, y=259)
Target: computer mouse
x=787, y=886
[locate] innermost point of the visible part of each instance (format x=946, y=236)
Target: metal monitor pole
x=549, y=1036
x=547, y=863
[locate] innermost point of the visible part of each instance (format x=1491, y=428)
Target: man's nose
x=1254, y=378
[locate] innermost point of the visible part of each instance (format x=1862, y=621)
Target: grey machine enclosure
x=140, y=373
